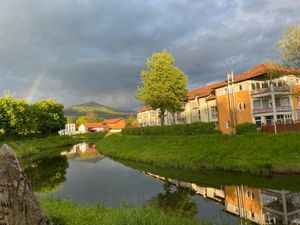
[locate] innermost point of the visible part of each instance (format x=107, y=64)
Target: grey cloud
x=95, y=49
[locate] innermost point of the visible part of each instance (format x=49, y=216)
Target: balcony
x=270, y=109
x=267, y=90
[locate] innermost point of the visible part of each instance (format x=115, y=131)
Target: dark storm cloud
x=93, y=50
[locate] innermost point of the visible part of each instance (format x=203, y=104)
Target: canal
x=84, y=176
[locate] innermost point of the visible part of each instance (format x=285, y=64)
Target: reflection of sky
x=106, y=182
x=112, y=183
x=211, y=210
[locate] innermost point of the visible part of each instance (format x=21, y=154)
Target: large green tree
x=164, y=84
x=49, y=116
x=288, y=47
x=16, y=117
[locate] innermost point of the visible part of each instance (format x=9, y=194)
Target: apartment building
x=255, y=96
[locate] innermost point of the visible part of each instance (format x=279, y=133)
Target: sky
x=78, y=51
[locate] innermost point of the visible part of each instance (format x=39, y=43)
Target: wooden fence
x=281, y=127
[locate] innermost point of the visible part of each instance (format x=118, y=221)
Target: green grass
x=63, y=212
x=25, y=147
x=254, y=153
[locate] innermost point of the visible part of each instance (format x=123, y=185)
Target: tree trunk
x=162, y=118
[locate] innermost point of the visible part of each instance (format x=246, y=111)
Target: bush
x=178, y=129
x=245, y=128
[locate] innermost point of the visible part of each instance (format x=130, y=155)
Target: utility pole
x=274, y=106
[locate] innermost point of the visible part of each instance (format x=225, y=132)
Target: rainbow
x=34, y=85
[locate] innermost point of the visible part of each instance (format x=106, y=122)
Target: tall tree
x=49, y=116
x=15, y=116
x=288, y=47
x=164, y=84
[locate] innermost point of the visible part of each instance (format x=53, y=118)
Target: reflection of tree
x=46, y=174
x=177, y=203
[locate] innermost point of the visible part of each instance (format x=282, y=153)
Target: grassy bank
x=32, y=145
x=63, y=212
x=255, y=153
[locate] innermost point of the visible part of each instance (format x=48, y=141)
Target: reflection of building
x=83, y=148
x=261, y=206
x=244, y=202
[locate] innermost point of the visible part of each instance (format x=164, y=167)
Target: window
x=257, y=103
x=264, y=85
x=288, y=118
x=257, y=84
x=269, y=119
x=242, y=106
x=199, y=114
x=258, y=121
x=252, y=214
x=280, y=118
x=253, y=86
x=227, y=124
x=198, y=101
x=298, y=114
x=240, y=87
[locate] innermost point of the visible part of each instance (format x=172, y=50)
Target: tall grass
x=255, y=153
x=63, y=212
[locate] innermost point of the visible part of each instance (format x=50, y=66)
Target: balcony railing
x=270, y=109
x=268, y=90
x=283, y=108
x=262, y=110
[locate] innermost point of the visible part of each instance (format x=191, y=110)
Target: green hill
x=98, y=109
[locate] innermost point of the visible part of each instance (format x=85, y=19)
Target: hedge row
x=246, y=128
x=178, y=129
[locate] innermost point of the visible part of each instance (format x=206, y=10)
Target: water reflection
x=261, y=206
x=175, y=203
x=85, y=176
x=46, y=174
x=83, y=152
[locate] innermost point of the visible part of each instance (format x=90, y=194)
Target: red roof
x=93, y=125
x=204, y=91
x=111, y=121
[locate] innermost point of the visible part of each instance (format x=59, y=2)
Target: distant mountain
x=96, y=108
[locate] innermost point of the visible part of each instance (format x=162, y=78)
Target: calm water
x=84, y=176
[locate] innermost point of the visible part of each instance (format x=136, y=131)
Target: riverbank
x=63, y=212
x=29, y=146
x=251, y=153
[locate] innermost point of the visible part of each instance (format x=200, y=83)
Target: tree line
x=17, y=117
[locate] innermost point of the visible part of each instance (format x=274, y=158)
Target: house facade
x=255, y=96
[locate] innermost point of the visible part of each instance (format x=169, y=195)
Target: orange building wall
x=241, y=116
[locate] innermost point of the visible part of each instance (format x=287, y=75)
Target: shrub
x=178, y=129
x=245, y=128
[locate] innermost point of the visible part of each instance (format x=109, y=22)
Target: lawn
x=255, y=153
x=63, y=212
